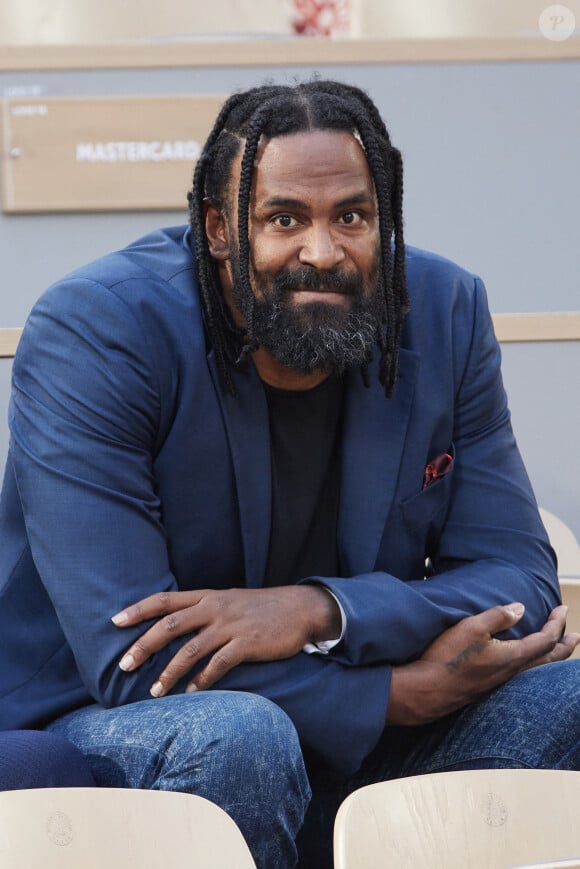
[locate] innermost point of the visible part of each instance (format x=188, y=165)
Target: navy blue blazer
x=131, y=471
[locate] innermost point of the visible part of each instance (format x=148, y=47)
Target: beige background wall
x=25, y=22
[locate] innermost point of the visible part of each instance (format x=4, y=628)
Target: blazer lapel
x=374, y=431
x=246, y=419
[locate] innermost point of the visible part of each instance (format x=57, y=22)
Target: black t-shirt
x=305, y=450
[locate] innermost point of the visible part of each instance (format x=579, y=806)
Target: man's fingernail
x=127, y=663
x=191, y=688
x=120, y=618
x=156, y=689
x=517, y=609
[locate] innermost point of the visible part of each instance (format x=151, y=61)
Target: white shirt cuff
x=323, y=647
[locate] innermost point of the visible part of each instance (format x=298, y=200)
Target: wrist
x=325, y=615
x=412, y=696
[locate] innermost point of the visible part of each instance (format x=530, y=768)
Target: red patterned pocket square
x=436, y=469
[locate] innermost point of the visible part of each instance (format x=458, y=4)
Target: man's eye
x=284, y=220
x=351, y=217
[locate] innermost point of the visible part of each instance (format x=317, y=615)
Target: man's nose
x=320, y=248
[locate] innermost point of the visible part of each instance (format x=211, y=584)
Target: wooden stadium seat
x=564, y=543
x=110, y=828
x=552, y=864
x=483, y=819
x=567, y=549
x=570, y=589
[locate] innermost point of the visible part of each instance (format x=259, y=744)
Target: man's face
x=314, y=245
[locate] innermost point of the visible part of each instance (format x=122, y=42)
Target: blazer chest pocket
x=424, y=513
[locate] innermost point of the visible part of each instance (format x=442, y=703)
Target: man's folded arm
x=492, y=548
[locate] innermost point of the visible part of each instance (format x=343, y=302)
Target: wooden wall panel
x=91, y=154
x=509, y=328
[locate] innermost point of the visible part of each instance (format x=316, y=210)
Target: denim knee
x=531, y=721
x=238, y=750
x=239, y=731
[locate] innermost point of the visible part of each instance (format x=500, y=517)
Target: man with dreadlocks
x=270, y=455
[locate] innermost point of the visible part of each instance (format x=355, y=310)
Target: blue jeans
x=238, y=750
x=533, y=721
x=242, y=752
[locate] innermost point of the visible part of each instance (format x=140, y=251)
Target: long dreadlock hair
x=279, y=110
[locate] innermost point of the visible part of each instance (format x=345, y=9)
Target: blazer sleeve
x=86, y=423
x=84, y=419
x=491, y=549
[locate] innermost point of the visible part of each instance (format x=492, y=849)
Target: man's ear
x=216, y=230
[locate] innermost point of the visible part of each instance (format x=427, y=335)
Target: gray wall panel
x=541, y=380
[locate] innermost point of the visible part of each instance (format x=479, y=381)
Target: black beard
x=316, y=335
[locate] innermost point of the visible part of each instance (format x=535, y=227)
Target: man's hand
x=466, y=662
x=231, y=626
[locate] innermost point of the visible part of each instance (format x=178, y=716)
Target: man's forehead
x=316, y=157
x=308, y=140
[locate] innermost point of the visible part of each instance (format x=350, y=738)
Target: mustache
x=289, y=280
